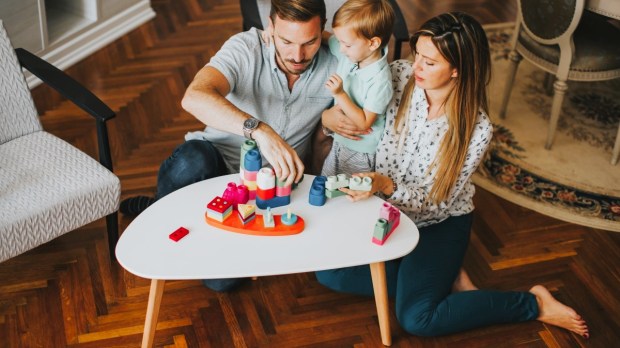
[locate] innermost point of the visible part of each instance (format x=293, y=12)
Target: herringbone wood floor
x=66, y=293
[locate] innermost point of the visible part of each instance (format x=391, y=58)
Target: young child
x=362, y=85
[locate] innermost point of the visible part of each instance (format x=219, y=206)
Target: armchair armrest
x=78, y=94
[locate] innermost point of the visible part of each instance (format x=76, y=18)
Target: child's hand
x=334, y=84
x=266, y=35
x=379, y=182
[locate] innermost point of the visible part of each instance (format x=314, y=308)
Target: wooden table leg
x=152, y=311
x=379, y=284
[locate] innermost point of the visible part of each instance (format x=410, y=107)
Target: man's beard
x=284, y=61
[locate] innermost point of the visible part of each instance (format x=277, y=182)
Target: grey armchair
x=47, y=186
x=559, y=37
x=255, y=13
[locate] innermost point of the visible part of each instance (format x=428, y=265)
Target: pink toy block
x=283, y=191
x=243, y=194
x=389, y=218
x=178, y=234
x=249, y=175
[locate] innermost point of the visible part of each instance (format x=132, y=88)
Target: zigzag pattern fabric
x=56, y=191
x=18, y=115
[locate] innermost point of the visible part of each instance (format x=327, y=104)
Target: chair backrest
x=18, y=115
x=550, y=21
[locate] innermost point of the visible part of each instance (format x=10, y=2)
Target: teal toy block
x=333, y=193
x=360, y=184
x=335, y=182
x=247, y=146
x=381, y=231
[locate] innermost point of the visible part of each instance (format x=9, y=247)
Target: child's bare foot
x=552, y=311
x=463, y=282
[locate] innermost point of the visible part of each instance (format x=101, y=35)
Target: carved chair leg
x=515, y=58
x=616, y=151
x=559, y=88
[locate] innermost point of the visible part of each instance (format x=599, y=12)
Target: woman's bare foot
x=552, y=311
x=463, y=282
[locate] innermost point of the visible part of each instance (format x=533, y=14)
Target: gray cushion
x=48, y=188
x=597, y=45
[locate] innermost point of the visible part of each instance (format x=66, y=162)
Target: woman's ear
x=455, y=73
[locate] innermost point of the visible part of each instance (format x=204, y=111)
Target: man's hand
x=334, y=84
x=334, y=119
x=285, y=162
x=380, y=183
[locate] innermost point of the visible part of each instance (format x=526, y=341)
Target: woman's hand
x=380, y=183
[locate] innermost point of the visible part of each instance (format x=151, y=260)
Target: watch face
x=250, y=123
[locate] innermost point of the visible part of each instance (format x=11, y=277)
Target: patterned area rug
x=574, y=181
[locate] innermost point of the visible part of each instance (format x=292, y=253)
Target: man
x=272, y=94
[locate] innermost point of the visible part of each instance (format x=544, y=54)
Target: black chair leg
x=112, y=226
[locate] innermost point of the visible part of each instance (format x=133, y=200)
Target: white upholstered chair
x=559, y=37
x=47, y=186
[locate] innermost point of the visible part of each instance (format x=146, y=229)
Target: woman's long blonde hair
x=462, y=42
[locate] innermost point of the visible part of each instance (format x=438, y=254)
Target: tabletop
x=336, y=235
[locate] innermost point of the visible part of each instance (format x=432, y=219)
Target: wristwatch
x=249, y=126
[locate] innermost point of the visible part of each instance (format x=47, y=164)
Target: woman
x=437, y=131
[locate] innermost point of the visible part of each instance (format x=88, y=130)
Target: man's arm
x=335, y=120
x=205, y=99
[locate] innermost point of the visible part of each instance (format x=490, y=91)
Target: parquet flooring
x=67, y=293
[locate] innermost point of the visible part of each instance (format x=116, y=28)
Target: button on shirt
x=259, y=88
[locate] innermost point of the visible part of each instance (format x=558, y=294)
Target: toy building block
x=289, y=219
x=389, y=219
x=273, y=203
x=266, y=184
x=243, y=194
x=268, y=220
x=391, y=214
x=230, y=194
x=333, y=193
x=246, y=213
x=316, y=196
x=320, y=179
x=178, y=234
x=334, y=182
x=247, y=146
x=252, y=161
x=219, y=209
x=381, y=231
x=360, y=184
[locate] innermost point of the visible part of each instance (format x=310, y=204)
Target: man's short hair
x=368, y=18
x=298, y=10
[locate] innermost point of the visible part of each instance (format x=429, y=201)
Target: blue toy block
x=321, y=179
x=273, y=203
x=247, y=146
x=252, y=161
x=360, y=184
x=316, y=196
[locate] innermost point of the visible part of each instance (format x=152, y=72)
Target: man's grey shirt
x=259, y=88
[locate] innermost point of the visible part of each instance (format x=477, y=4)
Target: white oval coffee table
x=336, y=235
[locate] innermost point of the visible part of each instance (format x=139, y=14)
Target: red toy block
x=219, y=204
x=179, y=233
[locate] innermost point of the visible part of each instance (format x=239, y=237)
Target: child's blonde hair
x=368, y=18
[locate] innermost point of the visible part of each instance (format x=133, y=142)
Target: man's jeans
x=193, y=161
